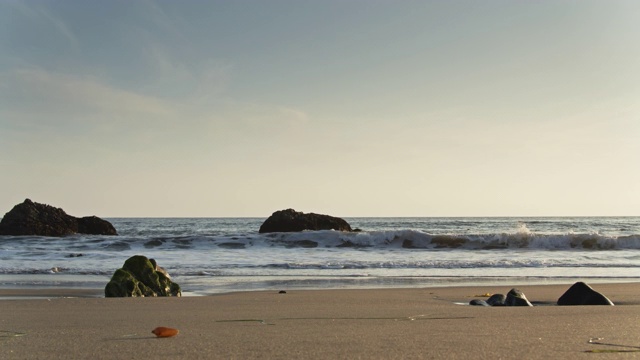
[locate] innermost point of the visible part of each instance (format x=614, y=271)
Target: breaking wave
x=393, y=239
x=414, y=239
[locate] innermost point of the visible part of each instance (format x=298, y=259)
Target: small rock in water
x=232, y=245
x=346, y=244
x=302, y=244
x=153, y=243
x=516, y=297
x=118, y=246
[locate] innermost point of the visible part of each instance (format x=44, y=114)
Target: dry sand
x=323, y=324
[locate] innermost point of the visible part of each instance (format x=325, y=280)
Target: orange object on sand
x=162, y=331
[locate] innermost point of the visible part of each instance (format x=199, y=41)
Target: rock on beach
x=516, y=297
x=578, y=294
x=582, y=294
x=141, y=277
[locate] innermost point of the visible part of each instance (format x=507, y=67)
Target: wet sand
x=426, y=323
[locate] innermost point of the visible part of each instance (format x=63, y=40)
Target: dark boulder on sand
x=140, y=277
x=516, y=297
x=292, y=221
x=478, y=302
x=31, y=218
x=497, y=300
x=582, y=294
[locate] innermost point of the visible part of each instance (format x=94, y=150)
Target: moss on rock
x=139, y=277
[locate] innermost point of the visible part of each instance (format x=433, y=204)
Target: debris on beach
x=483, y=295
x=162, y=331
x=598, y=341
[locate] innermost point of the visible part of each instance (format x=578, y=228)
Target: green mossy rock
x=139, y=277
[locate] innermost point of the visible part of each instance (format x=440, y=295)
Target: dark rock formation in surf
x=31, y=218
x=582, y=294
x=140, y=277
x=292, y=221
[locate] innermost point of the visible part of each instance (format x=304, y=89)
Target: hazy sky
x=343, y=107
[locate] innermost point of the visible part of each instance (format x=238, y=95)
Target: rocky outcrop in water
x=582, y=294
x=31, y=218
x=292, y=221
x=140, y=277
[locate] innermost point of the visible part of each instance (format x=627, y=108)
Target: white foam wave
x=413, y=239
x=522, y=238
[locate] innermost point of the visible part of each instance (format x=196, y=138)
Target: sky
x=343, y=107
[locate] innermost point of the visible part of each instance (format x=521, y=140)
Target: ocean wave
x=435, y=264
x=413, y=239
x=390, y=239
x=347, y=267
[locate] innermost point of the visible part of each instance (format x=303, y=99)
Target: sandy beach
x=427, y=323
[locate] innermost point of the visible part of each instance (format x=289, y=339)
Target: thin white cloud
x=36, y=90
x=200, y=81
x=294, y=116
x=36, y=98
x=36, y=12
x=159, y=17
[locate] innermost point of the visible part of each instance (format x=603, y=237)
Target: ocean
x=217, y=255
